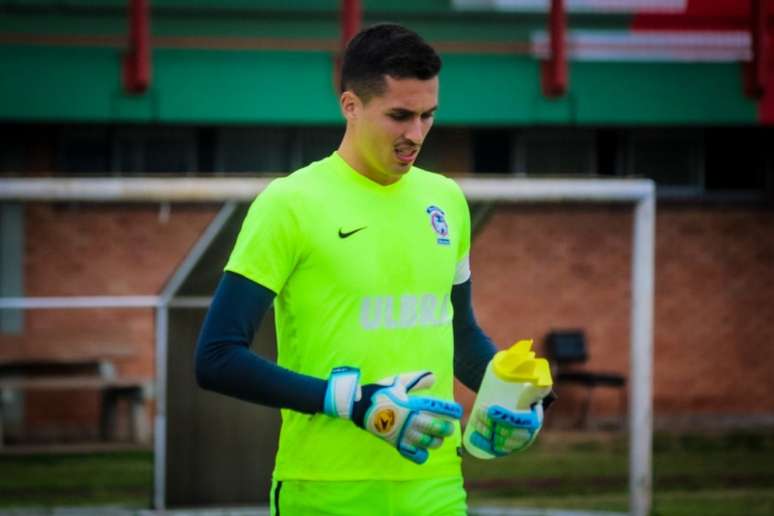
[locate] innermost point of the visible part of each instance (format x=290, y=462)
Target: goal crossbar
x=221, y=189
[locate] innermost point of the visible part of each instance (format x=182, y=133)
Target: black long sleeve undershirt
x=472, y=348
x=225, y=364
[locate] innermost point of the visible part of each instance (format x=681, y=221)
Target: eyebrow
x=404, y=111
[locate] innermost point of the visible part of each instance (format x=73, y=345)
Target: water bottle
x=514, y=379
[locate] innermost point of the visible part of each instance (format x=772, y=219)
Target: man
x=365, y=258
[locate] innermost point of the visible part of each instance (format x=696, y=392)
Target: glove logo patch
x=384, y=420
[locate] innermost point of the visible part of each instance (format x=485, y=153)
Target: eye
x=400, y=117
x=427, y=116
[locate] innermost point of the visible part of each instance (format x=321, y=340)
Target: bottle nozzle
x=518, y=364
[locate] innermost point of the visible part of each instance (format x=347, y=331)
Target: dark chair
x=566, y=350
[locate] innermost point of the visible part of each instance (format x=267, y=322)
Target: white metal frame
x=162, y=337
x=640, y=192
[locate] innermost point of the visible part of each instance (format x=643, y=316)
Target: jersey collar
x=347, y=172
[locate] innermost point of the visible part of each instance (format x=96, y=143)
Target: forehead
x=412, y=94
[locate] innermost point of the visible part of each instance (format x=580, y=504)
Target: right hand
x=500, y=431
x=412, y=424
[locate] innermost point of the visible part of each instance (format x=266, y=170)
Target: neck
x=349, y=152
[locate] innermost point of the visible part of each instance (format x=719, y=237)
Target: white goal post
x=640, y=192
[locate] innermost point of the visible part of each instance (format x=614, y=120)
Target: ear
x=350, y=105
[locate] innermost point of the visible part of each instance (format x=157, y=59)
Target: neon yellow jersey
x=363, y=276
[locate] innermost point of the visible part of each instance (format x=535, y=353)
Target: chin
x=402, y=167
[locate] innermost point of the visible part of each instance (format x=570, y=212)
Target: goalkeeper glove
x=412, y=424
x=501, y=431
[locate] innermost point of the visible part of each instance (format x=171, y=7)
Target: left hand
x=501, y=431
x=391, y=410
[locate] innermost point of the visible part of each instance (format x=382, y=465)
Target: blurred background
x=677, y=91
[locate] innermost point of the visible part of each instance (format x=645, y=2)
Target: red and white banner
x=685, y=46
x=592, y=6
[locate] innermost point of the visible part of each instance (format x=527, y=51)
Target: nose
x=415, y=132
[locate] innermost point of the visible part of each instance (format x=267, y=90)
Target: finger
x=539, y=412
x=419, y=439
x=482, y=424
x=413, y=380
x=434, y=443
x=513, y=438
x=549, y=400
x=517, y=442
x=482, y=443
x=502, y=448
x=504, y=431
x=530, y=420
x=450, y=409
x=484, y=430
x=412, y=453
x=482, y=415
x=434, y=426
x=388, y=381
x=417, y=380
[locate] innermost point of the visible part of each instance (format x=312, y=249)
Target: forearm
x=473, y=349
x=225, y=364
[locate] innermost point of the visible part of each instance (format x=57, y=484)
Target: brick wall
x=85, y=250
x=541, y=267
x=534, y=268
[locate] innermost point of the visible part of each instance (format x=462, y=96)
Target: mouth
x=406, y=155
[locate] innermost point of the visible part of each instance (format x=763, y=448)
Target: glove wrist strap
x=342, y=392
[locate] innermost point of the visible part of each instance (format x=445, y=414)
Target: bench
x=89, y=374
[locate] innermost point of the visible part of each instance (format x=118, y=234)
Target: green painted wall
x=79, y=79
x=656, y=93
x=44, y=83
x=206, y=86
x=268, y=87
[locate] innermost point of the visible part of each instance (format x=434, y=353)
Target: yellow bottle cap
x=518, y=364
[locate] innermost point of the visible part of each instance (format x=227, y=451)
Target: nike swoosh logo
x=350, y=233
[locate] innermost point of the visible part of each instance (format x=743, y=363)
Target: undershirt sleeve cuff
x=462, y=272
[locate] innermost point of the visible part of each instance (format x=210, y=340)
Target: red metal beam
x=554, y=71
x=137, y=60
x=351, y=19
x=757, y=70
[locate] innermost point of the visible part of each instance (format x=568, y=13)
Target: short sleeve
x=270, y=242
x=462, y=272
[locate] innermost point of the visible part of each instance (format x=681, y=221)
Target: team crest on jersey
x=438, y=221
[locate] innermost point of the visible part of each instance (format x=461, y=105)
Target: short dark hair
x=386, y=49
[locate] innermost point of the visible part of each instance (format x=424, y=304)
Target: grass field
x=62, y=479
x=730, y=474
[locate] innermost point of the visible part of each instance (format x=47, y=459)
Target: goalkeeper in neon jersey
x=365, y=258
